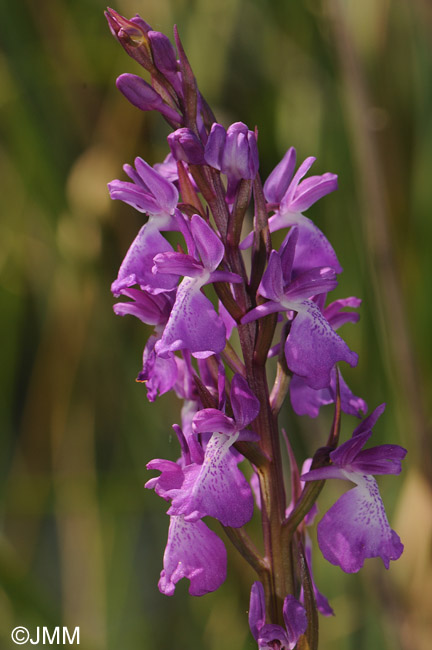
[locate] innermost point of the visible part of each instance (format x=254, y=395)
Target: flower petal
x=211, y=420
x=159, y=374
x=356, y=528
x=210, y=248
x=311, y=190
x=271, y=285
x=313, y=347
x=217, y=488
x=384, y=459
x=195, y=552
x=295, y=619
x=244, y=403
x=136, y=267
x=256, y=609
x=278, y=182
x=307, y=401
x=311, y=283
x=193, y=324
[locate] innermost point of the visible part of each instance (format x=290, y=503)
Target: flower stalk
x=217, y=358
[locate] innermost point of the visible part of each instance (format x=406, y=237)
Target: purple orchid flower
x=153, y=194
x=136, y=267
x=149, y=192
x=151, y=309
x=306, y=400
x=356, y=526
x=271, y=636
x=158, y=373
x=292, y=196
x=312, y=347
x=211, y=485
x=194, y=325
x=195, y=552
x=245, y=408
x=216, y=488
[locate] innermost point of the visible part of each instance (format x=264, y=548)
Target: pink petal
x=217, y=488
x=195, y=552
x=193, y=324
x=313, y=347
x=356, y=528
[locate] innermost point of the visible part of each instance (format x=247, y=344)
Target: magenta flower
x=216, y=488
x=136, y=267
x=245, y=407
x=149, y=192
x=195, y=552
x=312, y=347
x=269, y=635
x=306, y=400
x=356, y=526
x=211, y=484
x=194, y=324
x=158, y=373
x=153, y=194
x=291, y=196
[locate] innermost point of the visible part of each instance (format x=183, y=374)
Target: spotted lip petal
x=195, y=552
x=136, y=267
x=356, y=526
x=313, y=347
x=217, y=488
x=193, y=324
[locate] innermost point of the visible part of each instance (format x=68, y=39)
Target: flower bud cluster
x=218, y=327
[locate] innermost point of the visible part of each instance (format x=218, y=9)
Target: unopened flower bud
x=215, y=146
x=143, y=96
x=240, y=154
x=234, y=152
x=164, y=58
x=132, y=35
x=186, y=146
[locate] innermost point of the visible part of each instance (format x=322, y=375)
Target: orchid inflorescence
x=223, y=313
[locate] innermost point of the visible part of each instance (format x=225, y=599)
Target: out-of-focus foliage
x=81, y=542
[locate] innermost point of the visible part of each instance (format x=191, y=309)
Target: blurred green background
x=81, y=541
